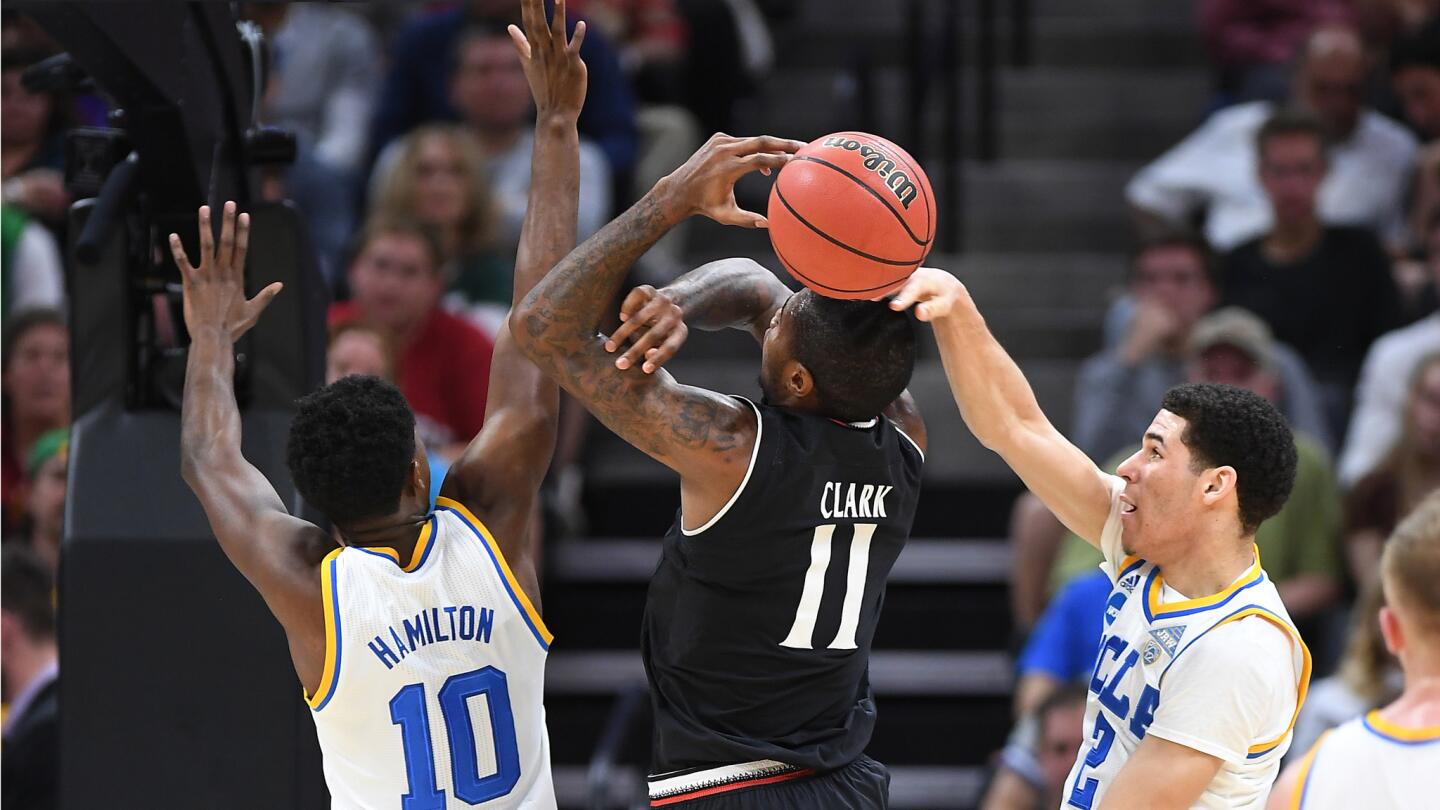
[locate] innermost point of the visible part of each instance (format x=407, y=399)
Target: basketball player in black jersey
x=760, y=616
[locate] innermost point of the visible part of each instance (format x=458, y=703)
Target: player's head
x=1290, y=149
x=395, y=277
x=1410, y=574
x=354, y=453
x=1330, y=79
x=1415, y=75
x=846, y=360
x=1216, y=462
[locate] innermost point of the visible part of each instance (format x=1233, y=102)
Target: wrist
x=557, y=122
x=668, y=199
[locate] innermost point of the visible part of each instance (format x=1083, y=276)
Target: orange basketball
x=852, y=216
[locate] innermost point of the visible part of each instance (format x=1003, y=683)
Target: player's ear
x=1218, y=482
x=798, y=380
x=1392, y=631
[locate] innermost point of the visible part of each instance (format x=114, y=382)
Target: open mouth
x=1126, y=507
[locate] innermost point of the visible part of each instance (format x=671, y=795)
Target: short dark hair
x=477, y=29
x=1289, y=122
x=17, y=326
x=1229, y=426
x=27, y=590
x=1175, y=237
x=379, y=226
x=350, y=448
x=1420, y=48
x=1067, y=695
x=860, y=353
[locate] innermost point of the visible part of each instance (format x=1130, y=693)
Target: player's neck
x=399, y=532
x=1419, y=705
x=1206, y=571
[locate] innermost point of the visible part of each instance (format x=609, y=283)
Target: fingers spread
x=207, y=238
x=767, y=143
x=655, y=358
x=557, y=22
x=242, y=242
x=226, y=254
x=522, y=45
x=177, y=250
x=578, y=38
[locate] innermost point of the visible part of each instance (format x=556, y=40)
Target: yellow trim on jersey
x=420, y=546
x=504, y=566
x=386, y=550
x=327, y=599
x=1301, y=689
x=1128, y=561
x=1158, y=583
x=1401, y=732
x=1298, y=793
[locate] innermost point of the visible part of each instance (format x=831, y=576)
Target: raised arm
x=278, y=553
x=701, y=435
x=999, y=406
x=499, y=474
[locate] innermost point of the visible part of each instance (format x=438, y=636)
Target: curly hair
x=860, y=353
x=1229, y=426
x=350, y=448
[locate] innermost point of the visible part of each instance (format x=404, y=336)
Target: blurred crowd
x=1290, y=245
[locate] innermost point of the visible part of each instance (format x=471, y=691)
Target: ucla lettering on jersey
x=1143, y=637
x=1372, y=763
x=431, y=694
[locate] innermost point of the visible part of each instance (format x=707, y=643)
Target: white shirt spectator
x=1215, y=168
x=510, y=185
x=39, y=280
x=1381, y=395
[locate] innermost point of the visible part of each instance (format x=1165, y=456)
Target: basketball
x=852, y=216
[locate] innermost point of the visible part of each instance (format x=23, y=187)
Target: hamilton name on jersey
x=436, y=625
x=840, y=500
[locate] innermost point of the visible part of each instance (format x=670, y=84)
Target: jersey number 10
x=804, y=627
x=408, y=711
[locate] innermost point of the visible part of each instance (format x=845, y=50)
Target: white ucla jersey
x=1144, y=636
x=431, y=695
x=1372, y=763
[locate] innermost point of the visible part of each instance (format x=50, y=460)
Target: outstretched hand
x=552, y=64
x=705, y=184
x=654, y=327
x=215, y=291
x=933, y=293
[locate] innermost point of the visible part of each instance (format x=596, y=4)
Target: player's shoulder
x=1255, y=645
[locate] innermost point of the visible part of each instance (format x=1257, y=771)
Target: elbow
x=521, y=316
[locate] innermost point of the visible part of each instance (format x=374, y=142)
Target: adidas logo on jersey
x=1129, y=583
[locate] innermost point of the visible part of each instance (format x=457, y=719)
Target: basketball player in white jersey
x=418, y=642
x=1388, y=759
x=1200, y=672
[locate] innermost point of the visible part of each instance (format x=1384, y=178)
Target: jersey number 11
x=804, y=627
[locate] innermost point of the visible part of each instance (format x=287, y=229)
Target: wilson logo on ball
x=876, y=161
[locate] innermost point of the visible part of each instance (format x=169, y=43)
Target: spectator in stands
x=1299, y=545
x=36, y=360
x=1214, y=169
x=651, y=36
x=32, y=146
x=1381, y=499
x=489, y=90
x=1252, y=43
x=45, y=501
x=324, y=76
x=436, y=175
x=30, y=666
x=443, y=363
x=1385, y=381
x=416, y=88
x=1368, y=676
x=1324, y=289
x=1038, y=757
x=1415, y=76
x=29, y=264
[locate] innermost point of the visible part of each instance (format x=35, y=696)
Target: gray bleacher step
x=912, y=787
x=928, y=561
x=1048, y=205
x=907, y=673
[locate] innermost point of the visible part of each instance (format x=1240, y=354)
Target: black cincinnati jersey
x=758, y=624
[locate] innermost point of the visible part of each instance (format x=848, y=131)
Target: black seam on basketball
x=827, y=237
x=791, y=269
x=929, y=208
x=898, y=217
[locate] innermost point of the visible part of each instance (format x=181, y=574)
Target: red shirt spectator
x=443, y=363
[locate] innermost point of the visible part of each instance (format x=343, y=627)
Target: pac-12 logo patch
x=1152, y=652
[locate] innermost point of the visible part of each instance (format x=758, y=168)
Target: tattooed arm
x=724, y=294
x=704, y=436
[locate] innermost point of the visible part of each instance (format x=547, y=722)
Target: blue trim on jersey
x=373, y=553
x=429, y=545
x=1166, y=614
x=504, y=580
x=1365, y=721
x=339, y=639
x=1131, y=567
